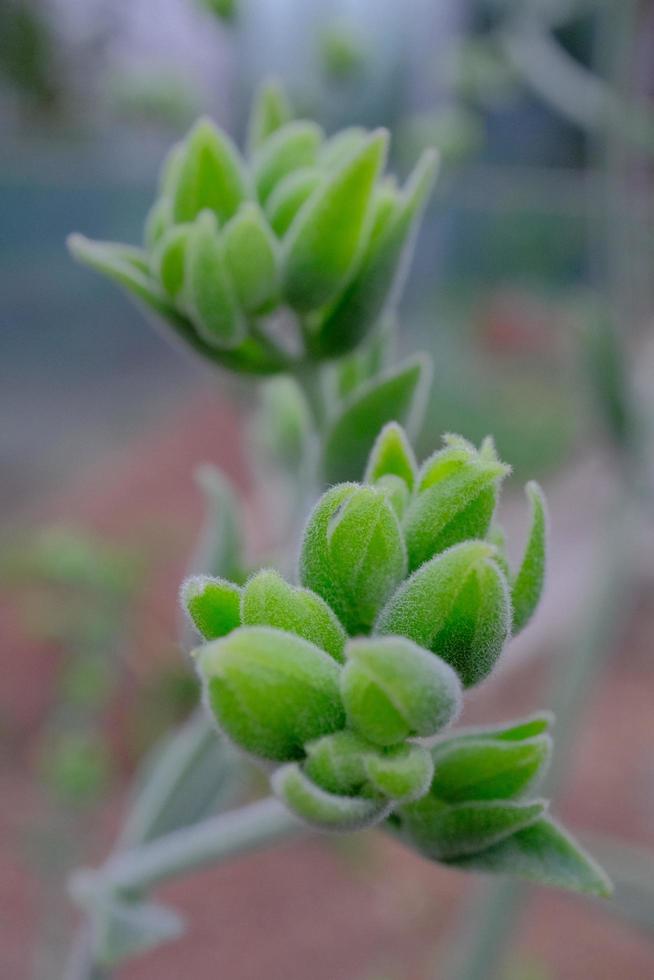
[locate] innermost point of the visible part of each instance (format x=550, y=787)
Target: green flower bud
x=402, y=773
x=270, y=601
x=392, y=689
x=212, y=604
x=169, y=257
x=336, y=763
x=325, y=241
x=158, y=221
x=270, y=111
x=392, y=455
x=375, y=287
x=210, y=175
x=442, y=832
x=455, y=499
x=324, y=810
x=396, y=491
x=210, y=293
x=353, y=553
x=347, y=764
x=251, y=258
x=289, y=196
x=527, y=586
x=270, y=691
x=457, y=605
x=488, y=769
x=290, y=148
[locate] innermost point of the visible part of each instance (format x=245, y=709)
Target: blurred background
x=532, y=288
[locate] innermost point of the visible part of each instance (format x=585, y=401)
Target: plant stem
x=216, y=839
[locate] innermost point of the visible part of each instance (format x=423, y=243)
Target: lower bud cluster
x=344, y=685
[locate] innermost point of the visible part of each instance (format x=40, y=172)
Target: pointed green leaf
x=271, y=691
x=488, y=769
x=213, y=605
x=340, y=146
x=270, y=601
x=543, y=853
x=456, y=605
x=210, y=176
x=324, y=810
x=538, y=723
x=455, y=500
x=270, y=111
x=377, y=285
x=127, y=266
x=442, y=832
x=158, y=221
x=393, y=689
x=396, y=395
x=251, y=258
x=289, y=196
x=290, y=148
x=527, y=586
x=325, y=241
x=392, y=454
x=220, y=551
x=209, y=292
x=169, y=259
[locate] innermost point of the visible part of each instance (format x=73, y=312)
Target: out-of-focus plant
x=342, y=684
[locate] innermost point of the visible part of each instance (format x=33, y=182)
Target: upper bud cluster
x=403, y=601
x=288, y=252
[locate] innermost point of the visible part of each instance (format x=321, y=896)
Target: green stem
x=248, y=828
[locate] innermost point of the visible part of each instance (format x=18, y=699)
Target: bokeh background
x=532, y=288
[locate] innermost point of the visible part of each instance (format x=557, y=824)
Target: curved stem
x=216, y=839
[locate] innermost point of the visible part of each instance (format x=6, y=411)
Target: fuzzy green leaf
x=270, y=601
x=270, y=111
x=324, y=810
x=538, y=723
x=392, y=454
x=392, y=689
x=213, y=605
x=527, y=586
x=543, y=853
x=169, y=259
x=395, y=396
x=456, y=497
x=353, y=554
x=325, y=241
x=442, y=832
x=210, y=294
x=456, y=605
x=220, y=551
x=251, y=258
x=488, y=769
x=210, y=175
x=378, y=282
x=127, y=266
x=292, y=147
x=271, y=691
x=289, y=196
x=340, y=146
x=403, y=773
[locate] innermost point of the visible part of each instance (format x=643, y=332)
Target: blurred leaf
x=122, y=929
x=270, y=111
x=394, y=396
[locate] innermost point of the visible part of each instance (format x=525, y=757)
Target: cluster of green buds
x=343, y=687
x=292, y=252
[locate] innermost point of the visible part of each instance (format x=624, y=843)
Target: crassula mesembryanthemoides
x=345, y=686
x=288, y=253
